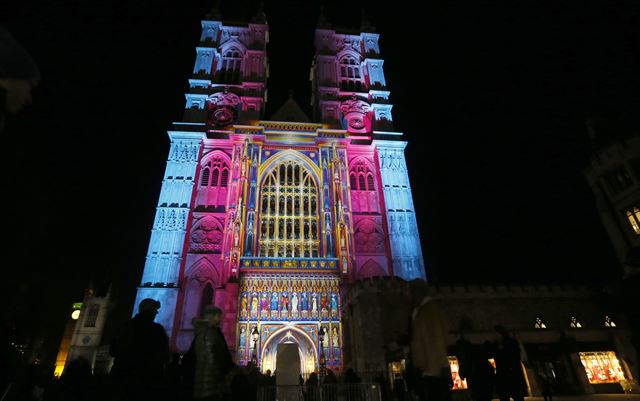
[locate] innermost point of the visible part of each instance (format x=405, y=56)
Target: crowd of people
x=144, y=368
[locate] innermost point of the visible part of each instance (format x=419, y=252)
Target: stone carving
x=369, y=237
x=206, y=235
x=354, y=111
x=184, y=152
x=222, y=108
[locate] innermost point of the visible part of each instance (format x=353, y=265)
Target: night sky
x=491, y=97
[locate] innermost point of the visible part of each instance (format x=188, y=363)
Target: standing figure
x=510, y=381
x=254, y=303
x=334, y=301
x=264, y=302
x=140, y=350
x=284, y=302
x=324, y=301
x=335, y=337
x=243, y=302
x=294, y=302
x=314, y=302
x=274, y=301
x=304, y=301
x=213, y=360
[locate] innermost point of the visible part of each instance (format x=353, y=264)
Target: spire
x=365, y=24
x=322, y=20
x=215, y=14
x=260, y=16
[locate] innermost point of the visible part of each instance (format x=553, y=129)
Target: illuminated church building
x=273, y=219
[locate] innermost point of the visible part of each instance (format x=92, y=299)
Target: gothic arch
x=213, y=153
x=370, y=269
x=233, y=44
x=277, y=334
x=289, y=154
x=349, y=53
x=203, y=271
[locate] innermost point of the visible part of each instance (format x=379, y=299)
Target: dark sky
x=492, y=98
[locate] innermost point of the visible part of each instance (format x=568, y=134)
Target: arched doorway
x=289, y=335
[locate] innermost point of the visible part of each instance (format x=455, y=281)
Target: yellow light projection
x=602, y=367
x=289, y=219
x=458, y=382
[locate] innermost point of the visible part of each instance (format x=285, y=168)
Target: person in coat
x=213, y=359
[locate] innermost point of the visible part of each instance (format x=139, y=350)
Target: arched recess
x=198, y=276
x=371, y=269
x=363, y=182
x=369, y=236
x=268, y=349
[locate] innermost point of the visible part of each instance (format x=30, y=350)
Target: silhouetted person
x=18, y=75
x=140, y=350
x=329, y=386
x=428, y=363
x=481, y=377
x=399, y=388
x=241, y=389
x=77, y=380
x=384, y=387
x=547, y=382
x=213, y=360
x=510, y=381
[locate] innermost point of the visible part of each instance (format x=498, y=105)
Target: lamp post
x=254, y=354
x=323, y=361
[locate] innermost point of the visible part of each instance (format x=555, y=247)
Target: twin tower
x=271, y=220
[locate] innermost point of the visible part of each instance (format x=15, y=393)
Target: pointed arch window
x=350, y=76
x=206, y=172
x=289, y=221
x=361, y=175
x=215, y=173
x=231, y=66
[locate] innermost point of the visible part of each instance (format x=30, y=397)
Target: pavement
x=592, y=397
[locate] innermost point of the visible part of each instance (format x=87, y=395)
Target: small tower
x=82, y=337
x=614, y=177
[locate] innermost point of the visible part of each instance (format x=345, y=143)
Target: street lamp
x=323, y=361
x=255, y=336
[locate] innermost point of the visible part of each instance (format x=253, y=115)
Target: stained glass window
x=633, y=216
x=289, y=221
x=458, y=382
x=602, y=367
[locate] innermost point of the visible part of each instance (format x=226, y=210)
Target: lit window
x=574, y=323
x=458, y=382
x=633, y=215
x=608, y=322
x=205, y=177
x=289, y=224
x=539, y=324
x=602, y=367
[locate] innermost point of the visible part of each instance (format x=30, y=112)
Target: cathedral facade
x=271, y=220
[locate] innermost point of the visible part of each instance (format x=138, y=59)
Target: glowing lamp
x=75, y=314
x=255, y=335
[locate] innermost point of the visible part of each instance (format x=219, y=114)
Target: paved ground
x=598, y=397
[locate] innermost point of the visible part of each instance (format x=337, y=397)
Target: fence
x=325, y=392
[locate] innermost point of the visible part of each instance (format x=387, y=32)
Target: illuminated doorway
x=307, y=351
